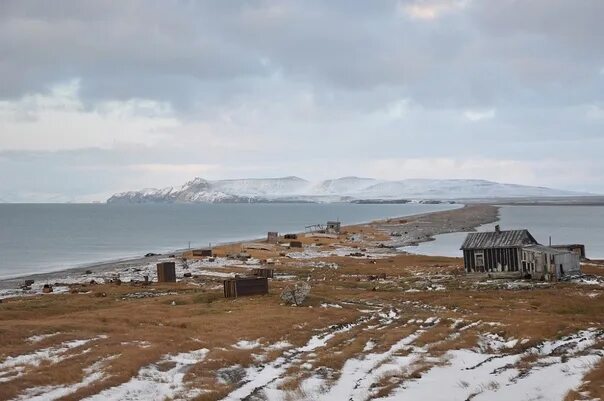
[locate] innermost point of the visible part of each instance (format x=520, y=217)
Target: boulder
x=296, y=294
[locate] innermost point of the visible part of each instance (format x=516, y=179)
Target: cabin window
x=479, y=259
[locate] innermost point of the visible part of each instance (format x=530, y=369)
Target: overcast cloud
x=98, y=97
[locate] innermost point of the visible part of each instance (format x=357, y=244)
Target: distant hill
x=295, y=189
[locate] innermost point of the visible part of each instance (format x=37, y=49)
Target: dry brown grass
x=202, y=318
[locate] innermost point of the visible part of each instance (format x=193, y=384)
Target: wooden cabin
x=497, y=251
x=333, y=227
x=516, y=253
x=272, y=237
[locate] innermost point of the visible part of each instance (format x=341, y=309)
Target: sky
x=98, y=97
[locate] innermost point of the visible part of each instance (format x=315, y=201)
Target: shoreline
x=54, y=269
x=431, y=224
x=109, y=336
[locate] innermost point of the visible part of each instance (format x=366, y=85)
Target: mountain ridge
x=343, y=189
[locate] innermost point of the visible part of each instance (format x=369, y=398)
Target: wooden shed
x=333, y=227
x=497, y=251
x=243, y=286
x=548, y=263
x=578, y=249
x=272, y=237
x=263, y=272
x=205, y=252
x=166, y=272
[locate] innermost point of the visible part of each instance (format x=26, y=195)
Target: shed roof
x=545, y=249
x=498, y=239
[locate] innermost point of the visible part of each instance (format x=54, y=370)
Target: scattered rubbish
x=321, y=235
x=259, y=246
x=373, y=277
x=295, y=244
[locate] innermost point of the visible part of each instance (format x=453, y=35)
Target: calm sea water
x=37, y=238
x=565, y=224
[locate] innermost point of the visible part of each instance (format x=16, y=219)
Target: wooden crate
x=166, y=272
x=263, y=272
x=244, y=286
x=201, y=253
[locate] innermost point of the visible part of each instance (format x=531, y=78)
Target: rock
x=47, y=288
x=150, y=254
x=295, y=294
x=88, y=272
x=187, y=275
x=28, y=283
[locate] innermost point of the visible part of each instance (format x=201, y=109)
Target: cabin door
x=479, y=261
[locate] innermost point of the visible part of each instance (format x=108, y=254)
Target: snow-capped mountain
x=345, y=185
x=291, y=189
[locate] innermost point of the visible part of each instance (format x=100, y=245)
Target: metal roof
x=498, y=239
x=545, y=249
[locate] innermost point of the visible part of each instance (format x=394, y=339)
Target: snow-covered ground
x=488, y=371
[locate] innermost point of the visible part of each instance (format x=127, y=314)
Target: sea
x=562, y=224
x=43, y=238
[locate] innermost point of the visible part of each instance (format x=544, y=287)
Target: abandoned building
x=516, y=253
x=548, y=263
x=200, y=253
x=579, y=249
x=333, y=227
x=272, y=237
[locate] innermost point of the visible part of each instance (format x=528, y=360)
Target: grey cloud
x=359, y=79
x=183, y=50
